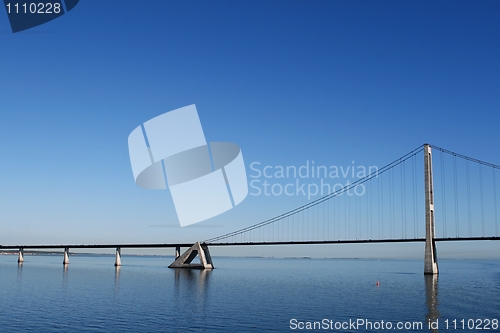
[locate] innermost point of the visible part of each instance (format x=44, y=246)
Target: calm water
x=240, y=295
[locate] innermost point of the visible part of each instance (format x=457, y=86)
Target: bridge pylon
x=430, y=259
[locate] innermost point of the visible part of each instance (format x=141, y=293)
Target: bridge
x=394, y=204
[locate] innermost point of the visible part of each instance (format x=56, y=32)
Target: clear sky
x=288, y=81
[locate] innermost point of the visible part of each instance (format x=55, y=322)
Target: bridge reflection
x=198, y=279
x=117, y=280
x=191, y=287
x=19, y=271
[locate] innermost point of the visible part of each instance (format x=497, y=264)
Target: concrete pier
x=66, y=256
x=118, y=261
x=21, y=255
x=430, y=260
x=184, y=260
x=177, y=252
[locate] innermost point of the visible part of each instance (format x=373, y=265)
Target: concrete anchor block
x=200, y=250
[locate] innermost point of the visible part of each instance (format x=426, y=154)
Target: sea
x=246, y=295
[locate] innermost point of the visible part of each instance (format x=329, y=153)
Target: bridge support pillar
x=21, y=255
x=200, y=250
x=430, y=259
x=177, y=252
x=118, y=261
x=66, y=256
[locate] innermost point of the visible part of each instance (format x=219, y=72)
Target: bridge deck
x=166, y=245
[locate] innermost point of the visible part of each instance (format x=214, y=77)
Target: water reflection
x=189, y=283
x=192, y=277
x=117, y=274
x=65, y=275
x=117, y=279
x=19, y=271
x=431, y=298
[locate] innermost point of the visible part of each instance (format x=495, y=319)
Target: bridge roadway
x=176, y=245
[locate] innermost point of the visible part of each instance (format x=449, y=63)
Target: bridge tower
x=430, y=260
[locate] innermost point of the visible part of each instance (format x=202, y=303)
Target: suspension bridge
x=448, y=197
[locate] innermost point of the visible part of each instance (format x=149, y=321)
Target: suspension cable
x=322, y=199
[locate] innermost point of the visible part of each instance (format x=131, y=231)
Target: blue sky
x=288, y=81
